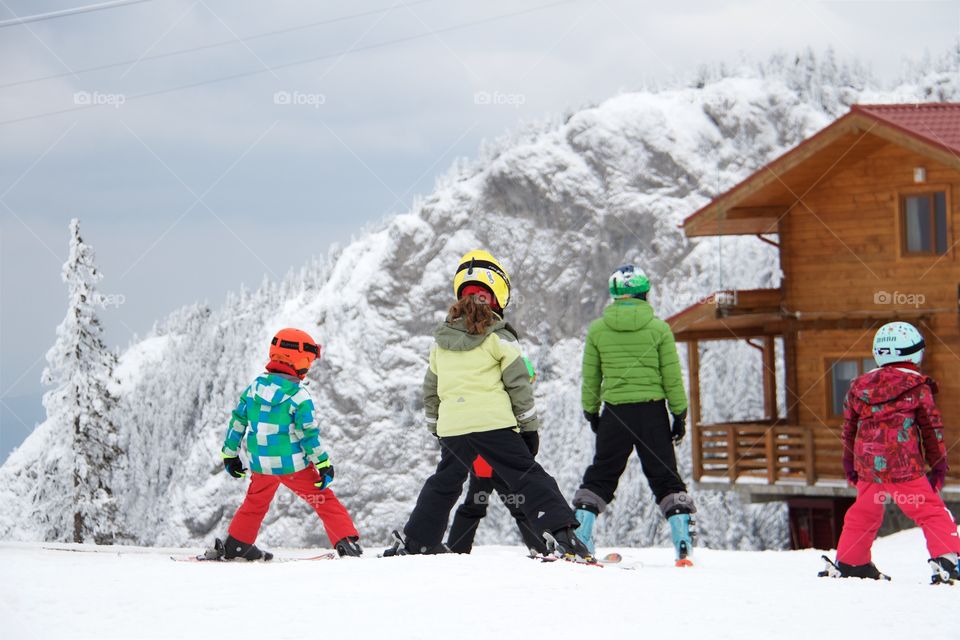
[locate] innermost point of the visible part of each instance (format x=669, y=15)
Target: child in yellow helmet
x=478, y=400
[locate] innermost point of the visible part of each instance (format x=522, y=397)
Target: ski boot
x=844, y=570
x=682, y=532
x=587, y=517
x=564, y=544
x=233, y=549
x=403, y=546
x=349, y=547
x=945, y=569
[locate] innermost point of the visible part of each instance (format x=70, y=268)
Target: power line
x=62, y=13
x=212, y=45
x=295, y=63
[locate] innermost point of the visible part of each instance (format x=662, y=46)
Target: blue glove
x=325, y=469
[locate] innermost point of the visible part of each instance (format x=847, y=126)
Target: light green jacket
x=630, y=356
x=477, y=383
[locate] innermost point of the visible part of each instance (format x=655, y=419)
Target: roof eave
x=701, y=223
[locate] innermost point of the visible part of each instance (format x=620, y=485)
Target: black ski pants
x=468, y=515
x=644, y=427
x=504, y=450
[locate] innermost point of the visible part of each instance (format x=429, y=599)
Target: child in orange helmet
x=276, y=414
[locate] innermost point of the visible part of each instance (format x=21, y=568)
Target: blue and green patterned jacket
x=277, y=416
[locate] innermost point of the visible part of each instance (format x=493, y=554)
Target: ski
x=203, y=558
x=571, y=560
x=615, y=560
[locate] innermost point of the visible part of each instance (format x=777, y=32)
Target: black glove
x=532, y=440
x=679, y=428
x=233, y=466
x=593, y=419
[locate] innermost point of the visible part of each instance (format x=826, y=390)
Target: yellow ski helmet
x=479, y=267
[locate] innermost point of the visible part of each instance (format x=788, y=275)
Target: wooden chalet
x=865, y=217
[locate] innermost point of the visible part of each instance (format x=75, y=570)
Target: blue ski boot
x=682, y=531
x=586, y=518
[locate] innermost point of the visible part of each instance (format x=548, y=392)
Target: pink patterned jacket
x=892, y=429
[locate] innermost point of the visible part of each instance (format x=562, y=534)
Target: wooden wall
x=839, y=248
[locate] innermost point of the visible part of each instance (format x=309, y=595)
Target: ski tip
x=684, y=562
x=612, y=557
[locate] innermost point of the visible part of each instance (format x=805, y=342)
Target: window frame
x=828, y=367
x=930, y=191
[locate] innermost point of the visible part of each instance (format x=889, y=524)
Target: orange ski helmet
x=295, y=348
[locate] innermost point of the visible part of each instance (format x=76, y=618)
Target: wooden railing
x=741, y=450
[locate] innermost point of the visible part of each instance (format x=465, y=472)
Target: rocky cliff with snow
x=561, y=204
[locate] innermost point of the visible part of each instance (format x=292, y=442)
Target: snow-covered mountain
x=561, y=203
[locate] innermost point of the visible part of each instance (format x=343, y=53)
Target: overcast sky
x=187, y=193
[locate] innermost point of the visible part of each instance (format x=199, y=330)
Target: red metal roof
x=936, y=122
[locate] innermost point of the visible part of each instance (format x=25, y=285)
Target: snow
x=130, y=592
x=136, y=360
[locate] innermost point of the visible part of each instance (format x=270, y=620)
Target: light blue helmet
x=898, y=342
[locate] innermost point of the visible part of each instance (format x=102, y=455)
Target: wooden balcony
x=764, y=451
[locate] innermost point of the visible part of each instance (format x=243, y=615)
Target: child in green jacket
x=631, y=367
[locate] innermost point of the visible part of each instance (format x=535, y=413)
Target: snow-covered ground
x=129, y=592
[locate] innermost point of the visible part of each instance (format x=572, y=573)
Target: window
x=842, y=373
x=925, y=223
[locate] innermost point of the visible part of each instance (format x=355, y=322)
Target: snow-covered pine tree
x=78, y=470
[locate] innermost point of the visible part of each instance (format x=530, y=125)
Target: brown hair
x=477, y=314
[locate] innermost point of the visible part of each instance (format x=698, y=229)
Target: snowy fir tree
x=75, y=479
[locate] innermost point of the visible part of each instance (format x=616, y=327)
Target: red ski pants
x=915, y=498
x=246, y=522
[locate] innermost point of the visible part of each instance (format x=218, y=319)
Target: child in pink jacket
x=892, y=432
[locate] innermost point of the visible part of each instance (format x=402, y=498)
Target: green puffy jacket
x=630, y=356
x=478, y=383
